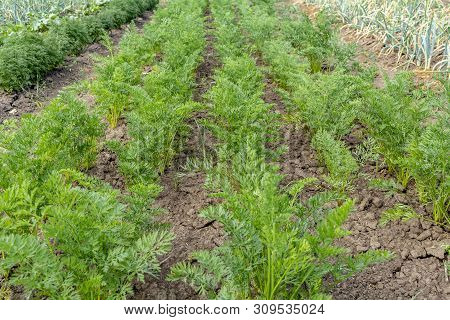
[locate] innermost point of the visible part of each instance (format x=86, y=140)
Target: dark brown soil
x=300, y=159
x=106, y=165
x=184, y=196
x=13, y=105
x=417, y=271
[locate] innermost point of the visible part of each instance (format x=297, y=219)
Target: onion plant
x=416, y=29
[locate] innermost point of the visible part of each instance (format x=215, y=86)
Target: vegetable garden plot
x=290, y=68
x=248, y=166
x=414, y=29
x=73, y=70
x=27, y=56
x=22, y=11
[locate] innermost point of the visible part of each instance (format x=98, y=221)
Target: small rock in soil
x=426, y=225
x=404, y=254
x=401, y=198
x=361, y=248
x=372, y=224
x=374, y=244
x=299, y=173
x=370, y=216
x=413, y=223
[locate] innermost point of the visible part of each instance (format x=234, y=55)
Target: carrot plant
x=313, y=40
x=273, y=251
x=429, y=166
x=337, y=158
x=64, y=234
x=331, y=102
x=156, y=102
x=68, y=235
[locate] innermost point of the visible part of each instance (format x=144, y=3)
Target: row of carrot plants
x=277, y=247
x=407, y=124
x=65, y=234
x=27, y=56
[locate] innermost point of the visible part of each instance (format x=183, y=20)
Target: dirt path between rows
x=13, y=105
x=184, y=195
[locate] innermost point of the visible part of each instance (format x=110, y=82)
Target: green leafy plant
x=387, y=185
x=398, y=212
x=429, y=166
x=330, y=101
x=337, y=158
x=394, y=120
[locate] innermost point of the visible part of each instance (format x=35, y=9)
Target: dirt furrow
x=75, y=68
x=417, y=270
x=299, y=160
x=184, y=195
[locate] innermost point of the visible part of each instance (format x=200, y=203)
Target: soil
x=13, y=105
x=184, y=195
x=417, y=270
x=106, y=166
